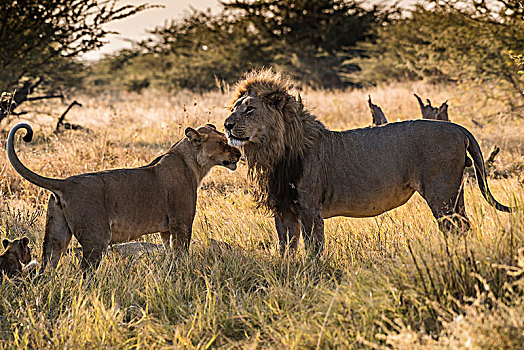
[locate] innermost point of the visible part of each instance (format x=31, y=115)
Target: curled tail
x=480, y=172
x=53, y=185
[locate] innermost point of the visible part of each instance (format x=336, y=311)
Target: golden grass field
x=389, y=281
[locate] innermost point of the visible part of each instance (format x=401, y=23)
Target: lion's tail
x=53, y=185
x=480, y=172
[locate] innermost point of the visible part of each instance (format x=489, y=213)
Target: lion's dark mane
x=277, y=165
x=277, y=191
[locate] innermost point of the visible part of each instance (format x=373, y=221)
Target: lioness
x=16, y=253
x=120, y=205
x=306, y=173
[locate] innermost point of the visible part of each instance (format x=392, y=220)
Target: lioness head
x=212, y=147
x=18, y=248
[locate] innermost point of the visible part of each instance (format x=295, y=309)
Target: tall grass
x=389, y=281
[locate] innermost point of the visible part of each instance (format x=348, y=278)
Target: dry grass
x=393, y=280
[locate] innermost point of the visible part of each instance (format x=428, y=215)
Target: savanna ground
x=389, y=281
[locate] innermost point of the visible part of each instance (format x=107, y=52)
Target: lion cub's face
x=19, y=248
x=213, y=147
x=247, y=122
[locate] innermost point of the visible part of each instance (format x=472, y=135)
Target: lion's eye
x=249, y=109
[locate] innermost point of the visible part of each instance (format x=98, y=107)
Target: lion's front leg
x=318, y=233
x=288, y=229
x=313, y=230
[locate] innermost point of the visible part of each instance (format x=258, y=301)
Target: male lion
x=120, y=205
x=16, y=253
x=306, y=173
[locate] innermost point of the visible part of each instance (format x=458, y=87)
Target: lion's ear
x=6, y=243
x=211, y=126
x=24, y=241
x=299, y=100
x=277, y=100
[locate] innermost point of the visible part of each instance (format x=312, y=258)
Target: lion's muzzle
x=233, y=137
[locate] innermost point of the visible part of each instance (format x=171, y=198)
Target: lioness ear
x=6, y=243
x=193, y=136
x=211, y=126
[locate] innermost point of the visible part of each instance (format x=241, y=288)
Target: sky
x=135, y=27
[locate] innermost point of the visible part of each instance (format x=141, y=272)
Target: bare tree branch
x=430, y=112
x=376, y=113
x=60, y=121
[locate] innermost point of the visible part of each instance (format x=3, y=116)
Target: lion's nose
x=229, y=125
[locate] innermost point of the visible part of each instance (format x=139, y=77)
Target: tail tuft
x=28, y=135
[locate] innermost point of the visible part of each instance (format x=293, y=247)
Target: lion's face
x=213, y=148
x=18, y=247
x=247, y=122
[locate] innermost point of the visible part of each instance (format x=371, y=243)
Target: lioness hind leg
x=91, y=257
x=57, y=234
x=94, y=237
x=288, y=230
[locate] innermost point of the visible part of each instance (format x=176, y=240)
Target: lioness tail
x=53, y=185
x=480, y=172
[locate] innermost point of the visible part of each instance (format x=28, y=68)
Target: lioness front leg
x=166, y=240
x=179, y=236
x=288, y=230
x=57, y=234
x=172, y=241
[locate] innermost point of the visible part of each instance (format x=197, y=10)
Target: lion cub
x=16, y=253
x=120, y=205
